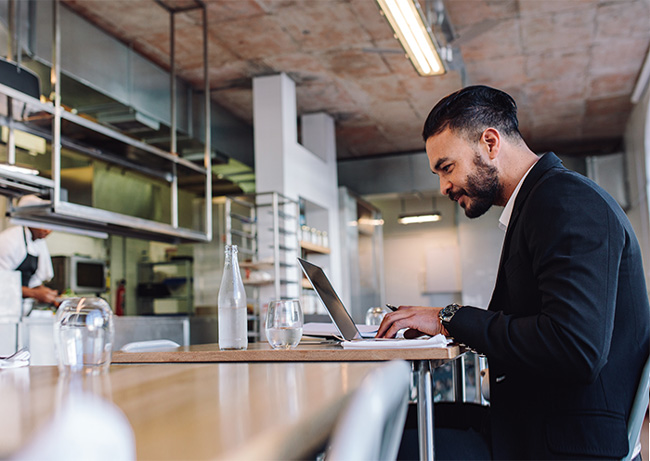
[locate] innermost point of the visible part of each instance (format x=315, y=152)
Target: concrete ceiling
x=570, y=64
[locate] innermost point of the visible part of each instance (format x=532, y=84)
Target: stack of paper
x=424, y=341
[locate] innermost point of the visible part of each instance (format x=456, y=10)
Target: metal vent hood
x=63, y=128
x=100, y=223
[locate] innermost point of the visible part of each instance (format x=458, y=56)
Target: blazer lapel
x=545, y=163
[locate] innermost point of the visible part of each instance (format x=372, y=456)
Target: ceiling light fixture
x=418, y=218
x=405, y=17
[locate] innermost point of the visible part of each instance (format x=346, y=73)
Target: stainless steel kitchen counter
x=36, y=333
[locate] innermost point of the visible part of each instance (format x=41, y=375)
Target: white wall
x=480, y=241
x=64, y=244
x=406, y=246
x=637, y=151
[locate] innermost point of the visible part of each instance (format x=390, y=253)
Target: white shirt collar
x=504, y=219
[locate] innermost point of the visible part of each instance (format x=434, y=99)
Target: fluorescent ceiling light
x=19, y=169
x=371, y=221
x=405, y=17
x=419, y=218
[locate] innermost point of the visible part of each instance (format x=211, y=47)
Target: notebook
x=337, y=311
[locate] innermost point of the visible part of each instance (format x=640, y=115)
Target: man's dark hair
x=471, y=110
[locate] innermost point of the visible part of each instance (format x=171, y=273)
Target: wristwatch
x=447, y=313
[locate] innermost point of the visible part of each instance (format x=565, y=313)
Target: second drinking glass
x=284, y=322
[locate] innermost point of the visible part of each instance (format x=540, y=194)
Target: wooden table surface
x=195, y=411
x=305, y=352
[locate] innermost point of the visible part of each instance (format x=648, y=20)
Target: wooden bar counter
x=316, y=351
x=424, y=361
x=194, y=411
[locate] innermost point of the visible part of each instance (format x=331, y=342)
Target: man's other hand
x=419, y=320
x=41, y=294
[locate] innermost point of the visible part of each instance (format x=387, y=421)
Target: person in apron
x=23, y=249
x=29, y=266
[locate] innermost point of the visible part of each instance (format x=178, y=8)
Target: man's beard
x=482, y=188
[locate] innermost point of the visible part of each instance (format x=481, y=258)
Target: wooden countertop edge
x=297, y=441
x=337, y=354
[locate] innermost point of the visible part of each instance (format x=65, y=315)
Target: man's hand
x=41, y=294
x=419, y=320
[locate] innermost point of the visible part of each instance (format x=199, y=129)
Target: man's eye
x=446, y=168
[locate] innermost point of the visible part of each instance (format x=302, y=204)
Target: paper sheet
x=425, y=341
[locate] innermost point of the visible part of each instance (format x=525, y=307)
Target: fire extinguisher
x=120, y=295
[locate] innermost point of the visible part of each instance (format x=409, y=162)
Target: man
x=24, y=249
x=567, y=331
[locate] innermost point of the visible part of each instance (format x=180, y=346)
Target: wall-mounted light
x=405, y=17
x=418, y=218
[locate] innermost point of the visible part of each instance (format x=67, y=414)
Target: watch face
x=448, y=312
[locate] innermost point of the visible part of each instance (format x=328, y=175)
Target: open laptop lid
x=328, y=296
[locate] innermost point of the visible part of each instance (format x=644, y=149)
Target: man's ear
x=491, y=140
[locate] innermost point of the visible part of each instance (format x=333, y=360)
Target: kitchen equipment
x=79, y=274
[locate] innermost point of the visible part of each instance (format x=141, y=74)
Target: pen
x=391, y=307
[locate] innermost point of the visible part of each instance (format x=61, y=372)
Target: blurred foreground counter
x=36, y=333
x=181, y=411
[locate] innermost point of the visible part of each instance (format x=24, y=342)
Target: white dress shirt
x=504, y=219
x=13, y=253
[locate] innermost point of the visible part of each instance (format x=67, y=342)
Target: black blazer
x=567, y=329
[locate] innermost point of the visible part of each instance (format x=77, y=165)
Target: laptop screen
x=328, y=296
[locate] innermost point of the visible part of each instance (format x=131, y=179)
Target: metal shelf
x=242, y=218
x=284, y=215
x=284, y=232
x=63, y=128
x=242, y=234
x=82, y=128
x=258, y=282
x=313, y=248
x=176, y=286
x=269, y=237
x=97, y=220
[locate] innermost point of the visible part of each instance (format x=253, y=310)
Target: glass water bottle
x=233, y=325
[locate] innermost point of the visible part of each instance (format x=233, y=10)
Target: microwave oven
x=79, y=274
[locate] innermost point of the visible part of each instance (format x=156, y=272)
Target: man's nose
x=445, y=186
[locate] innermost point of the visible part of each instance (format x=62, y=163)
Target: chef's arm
x=41, y=293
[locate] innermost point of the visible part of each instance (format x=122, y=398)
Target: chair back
x=371, y=425
x=639, y=408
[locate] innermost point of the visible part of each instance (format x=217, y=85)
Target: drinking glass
x=284, y=323
x=83, y=335
x=375, y=315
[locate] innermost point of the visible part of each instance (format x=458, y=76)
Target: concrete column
x=275, y=129
x=297, y=171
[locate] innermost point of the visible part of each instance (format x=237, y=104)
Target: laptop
x=337, y=311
